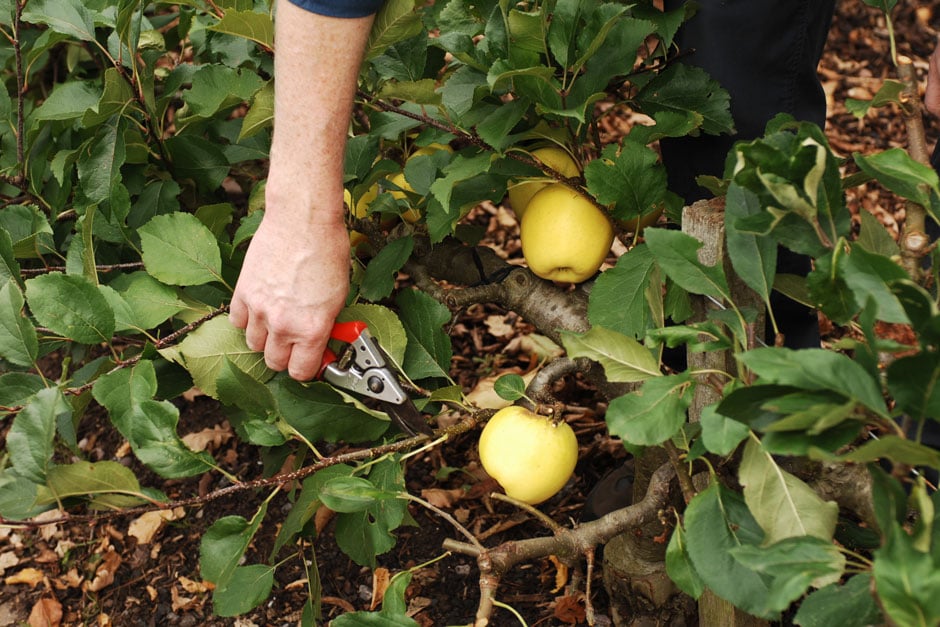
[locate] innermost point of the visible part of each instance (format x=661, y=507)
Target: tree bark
x=705, y=221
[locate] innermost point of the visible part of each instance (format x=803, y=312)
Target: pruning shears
x=362, y=367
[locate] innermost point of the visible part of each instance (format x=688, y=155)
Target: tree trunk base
x=641, y=593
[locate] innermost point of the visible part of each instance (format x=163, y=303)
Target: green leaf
x=257, y=27
x=624, y=359
x=792, y=565
x=630, y=178
x=396, y=21
x=907, y=580
x=122, y=389
x=365, y=535
x=117, y=96
x=652, y=414
x=29, y=231
x=17, y=387
x=247, y=588
x=874, y=237
x=150, y=429
x=717, y=522
x=71, y=306
x=68, y=101
x=900, y=173
x=510, y=387
x=199, y=160
x=783, y=505
x=204, y=350
x=429, y=348
x=217, y=87
x=620, y=296
x=69, y=17
x=318, y=412
x=914, y=383
x=352, y=494
x=393, y=612
x=754, y=257
x=380, y=275
x=889, y=93
x=721, y=435
x=683, y=88
x=237, y=388
x=679, y=566
x=18, y=341
x=261, y=113
x=29, y=442
x=384, y=326
x=9, y=268
x=677, y=254
x=150, y=301
x=99, y=165
x=178, y=249
x=868, y=275
x=306, y=504
x=816, y=369
x=224, y=544
x=897, y=449
x=848, y=605
x=83, y=478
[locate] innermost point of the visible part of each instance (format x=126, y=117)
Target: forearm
x=317, y=62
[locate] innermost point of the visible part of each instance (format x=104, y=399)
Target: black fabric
x=765, y=54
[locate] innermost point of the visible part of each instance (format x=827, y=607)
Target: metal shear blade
x=365, y=369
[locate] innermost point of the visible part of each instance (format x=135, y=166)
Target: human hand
x=292, y=285
x=932, y=96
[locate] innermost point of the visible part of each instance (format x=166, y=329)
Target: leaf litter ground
x=131, y=571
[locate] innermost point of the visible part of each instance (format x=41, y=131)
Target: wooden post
x=704, y=220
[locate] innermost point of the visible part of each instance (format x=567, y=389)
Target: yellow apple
x=530, y=456
x=410, y=215
x=431, y=149
x=564, y=236
x=522, y=191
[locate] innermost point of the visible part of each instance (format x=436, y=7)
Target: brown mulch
x=108, y=572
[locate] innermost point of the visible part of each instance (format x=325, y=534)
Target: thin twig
x=133, y=265
x=20, y=85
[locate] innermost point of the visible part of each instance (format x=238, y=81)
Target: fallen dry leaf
x=193, y=587
x=569, y=609
x=439, y=497
x=498, y=327
x=72, y=579
x=29, y=576
x=104, y=573
x=380, y=580
x=124, y=450
x=46, y=613
x=561, y=573
x=210, y=439
x=146, y=526
x=8, y=560
x=178, y=602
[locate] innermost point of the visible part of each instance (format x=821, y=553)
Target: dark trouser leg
x=765, y=53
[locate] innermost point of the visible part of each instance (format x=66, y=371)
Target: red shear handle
x=348, y=332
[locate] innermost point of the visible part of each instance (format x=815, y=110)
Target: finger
x=238, y=313
x=256, y=334
x=305, y=361
x=277, y=352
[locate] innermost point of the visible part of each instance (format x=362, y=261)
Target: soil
x=101, y=573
